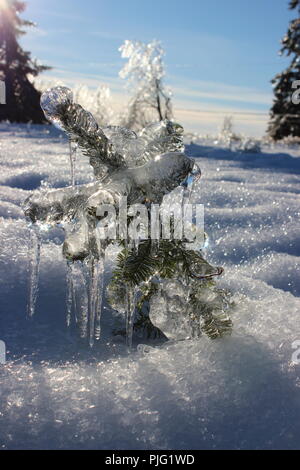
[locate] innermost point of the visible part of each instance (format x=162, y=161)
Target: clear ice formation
x=34, y=268
x=73, y=156
x=168, y=310
x=142, y=167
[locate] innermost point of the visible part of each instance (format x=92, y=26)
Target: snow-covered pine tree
x=16, y=65
x=285, y=114
x=144, y=71
x=103, y=108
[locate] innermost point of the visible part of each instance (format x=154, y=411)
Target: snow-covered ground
x=240, y=392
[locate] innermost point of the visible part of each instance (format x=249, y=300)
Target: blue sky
x=220, y=54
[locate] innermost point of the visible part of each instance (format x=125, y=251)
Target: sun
x=4, y=4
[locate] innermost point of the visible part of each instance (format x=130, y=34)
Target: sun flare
x=3, y=4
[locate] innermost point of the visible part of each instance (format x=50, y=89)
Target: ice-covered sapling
x=144, y=72
x=143, y=168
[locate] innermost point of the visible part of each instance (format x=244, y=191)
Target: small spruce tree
x=285, y=115
x=16, y=66
x=145, y=71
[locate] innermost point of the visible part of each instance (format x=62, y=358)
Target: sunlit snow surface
x=241, y=392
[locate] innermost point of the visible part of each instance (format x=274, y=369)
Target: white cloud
x=106, y=35
x=198, y=89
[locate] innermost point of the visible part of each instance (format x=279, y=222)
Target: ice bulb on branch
x=53, y=100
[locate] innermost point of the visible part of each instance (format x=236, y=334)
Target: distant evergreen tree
x=285, y=115
x=145, y=71
x=16, y=65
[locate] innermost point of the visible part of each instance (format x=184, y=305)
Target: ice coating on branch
x=160, y=130
x=53, y=99
x=144, y=172
x=154, y=140
x=111, y=147
x=141, y=167
x=152, y=180
x=162, y=175
x=126, y=143
x=184, y=311
x=162, y=137
x=82, y=128
x=168, y=310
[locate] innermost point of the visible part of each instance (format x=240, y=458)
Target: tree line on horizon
x=151, y=100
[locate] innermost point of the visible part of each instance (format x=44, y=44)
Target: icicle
x=188, y=189
x=92, y=292
x=98, y=305
x=128, y=313
x=70, y=297
x=95, y=273
x=77, y=296
x=134, y=245
x=35, y=248
x=131, y=303
x=73, y=155
x=80, y=285
x=190, y=182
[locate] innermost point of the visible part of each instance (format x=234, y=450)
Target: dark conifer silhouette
x=285, y=115
x=16, y=66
